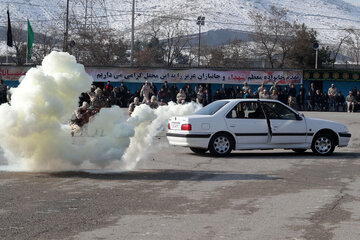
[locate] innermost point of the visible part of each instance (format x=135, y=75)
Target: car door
x=286, y=126
x=248, y=123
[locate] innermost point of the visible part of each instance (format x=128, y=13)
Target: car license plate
x=175, y=125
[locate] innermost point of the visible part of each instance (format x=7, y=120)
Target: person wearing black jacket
x=340, y=102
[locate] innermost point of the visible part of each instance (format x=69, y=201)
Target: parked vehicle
x=244, y=124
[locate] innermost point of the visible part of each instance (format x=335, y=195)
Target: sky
x=355, y=2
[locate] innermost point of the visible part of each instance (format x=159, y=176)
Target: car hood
x=317, y=123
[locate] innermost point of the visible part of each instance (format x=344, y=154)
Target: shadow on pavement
x=168, y=175
x=282, y=155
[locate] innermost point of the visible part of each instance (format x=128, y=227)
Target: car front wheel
x=323, y=144
x=220, y=144
x=198, y=150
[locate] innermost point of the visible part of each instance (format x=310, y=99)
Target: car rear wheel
x=221, y=144
x=198, y=150
x=299, y=150
x=323, y=144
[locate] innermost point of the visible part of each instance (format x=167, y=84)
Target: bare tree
x=273, y=34
x=19, y=37
x=48, y=39
x=171, y=34
x=348, y=33
x=353, y=46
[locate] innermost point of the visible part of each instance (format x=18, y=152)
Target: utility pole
x=201, y=22
x=65, y=45
x=132, y=33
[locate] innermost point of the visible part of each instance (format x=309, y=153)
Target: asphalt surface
x=175, y=194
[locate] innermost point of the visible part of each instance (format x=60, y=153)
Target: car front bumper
x=344, y=138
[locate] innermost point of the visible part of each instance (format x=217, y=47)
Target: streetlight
x=201, y=22
x=132, y=33
x=316, y=48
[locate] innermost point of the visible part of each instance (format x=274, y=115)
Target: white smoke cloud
x=156, y=121
x=34, y=134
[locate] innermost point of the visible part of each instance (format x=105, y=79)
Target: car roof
x=249, y=100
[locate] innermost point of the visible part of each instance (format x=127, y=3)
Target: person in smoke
x=153, y=103
x=8, y=94
x=180, y=97
x=80, y=118
x=145, y=92
x=97, y=101
x=3, y=92
x=133, y=105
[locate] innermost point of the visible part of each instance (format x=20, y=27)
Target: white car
x=247, y=124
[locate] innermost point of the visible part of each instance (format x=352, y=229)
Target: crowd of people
x=302, y=99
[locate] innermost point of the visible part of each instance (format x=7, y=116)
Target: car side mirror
x=299, y=117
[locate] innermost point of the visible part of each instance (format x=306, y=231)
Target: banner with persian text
x=195, y=76
x=102, y=74
x=12, y=73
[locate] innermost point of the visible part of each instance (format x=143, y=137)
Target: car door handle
x=232, y=126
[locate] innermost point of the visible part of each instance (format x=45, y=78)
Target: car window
x=246, y=110
x=276, y=110
x=212, y=108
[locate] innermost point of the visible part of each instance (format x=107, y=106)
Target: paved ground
x=175, y=194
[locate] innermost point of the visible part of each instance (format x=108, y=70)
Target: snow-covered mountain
x=327, y=17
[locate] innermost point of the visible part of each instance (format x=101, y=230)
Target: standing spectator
x=199, y=96
x=223, y=92
x=340, y=102
x=312, y=89
x=274, y=95
x=309, y=101
x=128, y=98
x=239, y=94
x=281, y=96
x=303, y=90
x=246, y=87
x=264, y=95
x=180, y=97
x=207, y=86
x=332, y=92
x=145, y=92
x=123, y=95
x=166, y=86
x=286, y=94
x=162, y=95
x=300, y=100
x=357, y=98
x=274, y=87
x=350, y=102
x=292, y=96
x=207, y=97
x=354, y=91
x=154, y=89
x=115, y=97
x=318, y=101
x=174, y=92
x=231, y=92
x=261, y=89
x=325, y=101
x=248, y=94
x=3, y=92
x=217, y=95
x=108, y=88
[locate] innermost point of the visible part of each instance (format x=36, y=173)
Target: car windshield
x=212, y=108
